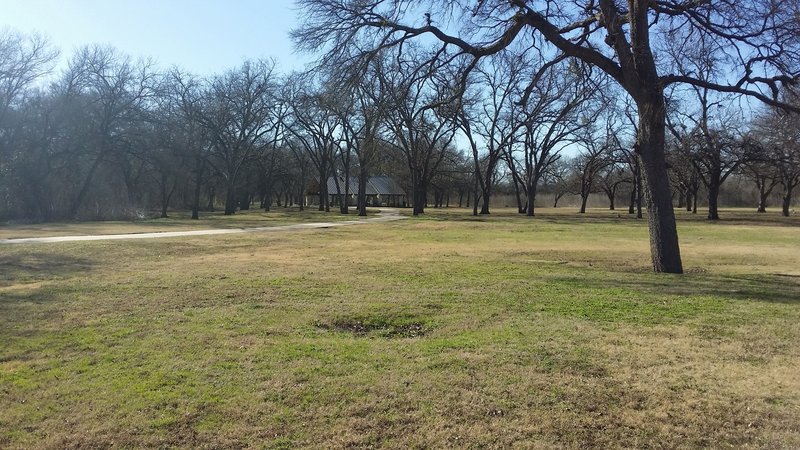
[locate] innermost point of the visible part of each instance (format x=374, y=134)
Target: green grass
x=443, y=331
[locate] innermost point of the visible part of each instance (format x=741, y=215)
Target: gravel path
x=383, y=216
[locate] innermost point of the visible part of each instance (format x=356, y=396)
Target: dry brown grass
x=548, y=333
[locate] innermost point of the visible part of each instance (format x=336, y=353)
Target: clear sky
x=202, y=36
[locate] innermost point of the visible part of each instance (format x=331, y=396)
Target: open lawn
x=443, y=331
x=177, y=221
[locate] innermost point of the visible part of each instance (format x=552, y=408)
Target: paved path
x=383, y=216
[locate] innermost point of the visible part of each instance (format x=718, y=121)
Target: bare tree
x=556, y=111
x=758, y=38
x=420, y=117
x=780, y=131
x=716, y=154
x=592, y=160
x=23, y=60
x=684, y=175
x=763, y=168
x=489, y=118
x=236, y=108
x=183, y=91
x=611, y=178
x=315, y=127
x=114, y=92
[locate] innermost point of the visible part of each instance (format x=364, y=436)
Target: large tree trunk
x=632, y=204
x=787, y=201
x=639, y=191
x=166, y=195
x=344, y=208
x=420, y=198
x=198, y=185
x=664, y=248
x=584, y=199
x=763, y=194
x=362, y=189
x=531, y=189
x=268, y=198
x=713, y=197
x=323, y=189
x=556, y=198
x=689, y=199
x=518, y=195
x=230, y=198
x=762, y=204
x=87, y=182
x=212, y=197
x=475, y=192
x=612, y=194
x=486, y=196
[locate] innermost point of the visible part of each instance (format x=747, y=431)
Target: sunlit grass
x=443, y=331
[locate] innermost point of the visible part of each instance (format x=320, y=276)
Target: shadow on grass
x=774, y=288
x=19, y=268
x=596, y=216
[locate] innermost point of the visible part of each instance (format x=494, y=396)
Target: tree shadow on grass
x=770, y=288
x=33, y=267
x=570, y=216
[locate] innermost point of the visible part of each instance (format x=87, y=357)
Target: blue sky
x=202, y=36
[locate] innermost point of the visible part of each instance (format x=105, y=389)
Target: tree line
x=645, y=48
x=110, y=136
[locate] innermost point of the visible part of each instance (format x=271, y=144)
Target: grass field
x=440, y=332
x=177, y=221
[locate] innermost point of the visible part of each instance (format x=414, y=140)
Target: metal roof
x=384, y=185
x=379, y=185
x=353, y=186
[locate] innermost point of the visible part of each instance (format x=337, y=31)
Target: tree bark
x=362, y=189
x=475, y=191
x=198, y=185
x=211, y=198
x=689, y=200
x=787, y=202
x=531, y=209
x=611, y=197
x=762, y=202
x=664, y=248
x=713, y=197
x=87, y=182
x=584, y=199
x=632, y=205
x=230, y=199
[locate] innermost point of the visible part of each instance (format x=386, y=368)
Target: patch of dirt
x=375, y=326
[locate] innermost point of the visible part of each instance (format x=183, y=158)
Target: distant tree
x=780, y=132
x=361, y=109
x=684, y=175
x=598, y=145
x=108, y=95
x=23, y=60
x=557, y=108
x=488, y=117
x=611, y=178
x=558, y=179
x=763, y=167
x=235, y=113
x=420, y=118
x=184, y=94
x=315, y=126
x=716, y=154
